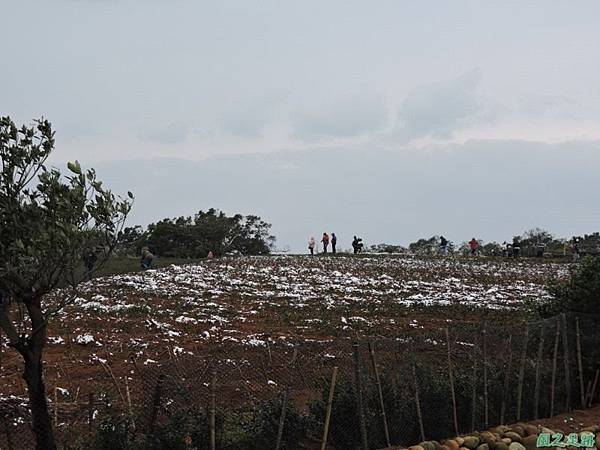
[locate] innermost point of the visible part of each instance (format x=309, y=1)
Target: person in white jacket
x=312, y=244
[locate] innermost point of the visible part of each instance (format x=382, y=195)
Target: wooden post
x=55, y=407
x=554, y=358
x=580, y=363
x=522, y=374
x=563, y=320
x=129, y=405
x=90, y=412
x=451, y=379
x=155, y=405
x=418, y=402
x=507, y=371
x=329, y=407
x=286, y=394
x=213, y=411
x=380, y=392
x=485, y=380
x=359, y=397
x=593, y=391
x=8, y=432
x=473, y=391
x=538, y=365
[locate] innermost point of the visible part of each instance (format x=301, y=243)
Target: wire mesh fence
x=366, y=393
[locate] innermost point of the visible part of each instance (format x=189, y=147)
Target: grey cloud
x=438, y=110
x=351, y=116
x=173, y=133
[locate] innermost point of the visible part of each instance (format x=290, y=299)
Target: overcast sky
x=389, y=119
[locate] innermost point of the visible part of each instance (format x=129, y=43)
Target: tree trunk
x=33, y=375
x=40, y=414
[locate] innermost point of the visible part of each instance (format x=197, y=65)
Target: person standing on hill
x=357, y=245
x=516, y=247
x=325, y=241
x=474, y=245
x=89, y=260
x=443, y=246
x=312, y=243
x=575, y=250
x=333, y=242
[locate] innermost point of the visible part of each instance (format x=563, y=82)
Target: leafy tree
x=386, y=248
x=207, y=231
x=46, y=222
x=131, y=240
x=425, y=246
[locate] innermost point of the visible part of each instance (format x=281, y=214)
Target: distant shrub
x=580, y=293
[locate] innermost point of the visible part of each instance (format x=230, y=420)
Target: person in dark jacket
x=443, y=246
x=357, y=245
x=325, y=241
x=89, y=260
x=333, y=242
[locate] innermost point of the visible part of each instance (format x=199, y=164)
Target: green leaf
x=74, y=167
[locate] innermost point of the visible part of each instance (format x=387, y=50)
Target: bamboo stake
x=563, y=319
x=213, y=411
x=538, y=374
x=506, y=380
x=380, y=392
x=580, y=362
x=286, y=394
x=451, y=377
x=474, y=391
x=522, y=374
x=8, y=434
x=485, y=380
x=593, y=391
x=359, y=396
x=90, y=411
x=55, y=406
x=329, y=407
x=129, y=405
x=554, y=358
x=155, y=405
x=418, y=402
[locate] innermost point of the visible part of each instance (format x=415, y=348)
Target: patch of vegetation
x=580, y=293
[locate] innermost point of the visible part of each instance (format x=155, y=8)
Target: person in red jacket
x=474, y=246
x=325, y=241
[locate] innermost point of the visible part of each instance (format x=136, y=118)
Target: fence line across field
x=368, y=392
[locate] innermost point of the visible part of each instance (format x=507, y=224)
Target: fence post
x=593, y=390
x=474, y=389
x=90, y=411
x=522, y=374
x=359, y=397
x=563, y=320
x=329, y=407
x=580, y=362
x=155, y=404
x=485, y=380
x=508, y=369
x=380, y=392
x=418, y=402
x=213, y=410
x=554, y=359
x=8, y=434
x=451, y=379
x=536, y=405
x=286, y=394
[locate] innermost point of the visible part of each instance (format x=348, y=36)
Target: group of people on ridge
x=326, y=240
x=357, y=244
